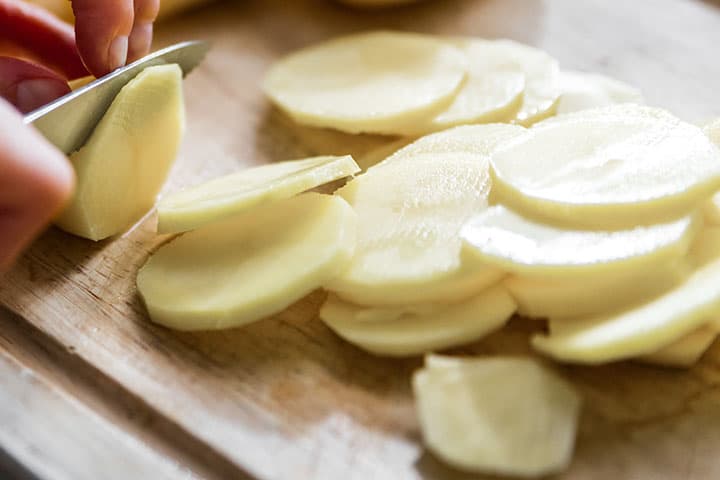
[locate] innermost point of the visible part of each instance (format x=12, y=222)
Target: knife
x=68, y=121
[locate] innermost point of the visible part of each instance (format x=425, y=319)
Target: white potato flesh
x=497, y=415
x=687, y=351
x=418, y=329
x=518, y=244
x=582, y=91
x=712, y=209
x=542, y=79
x=226, y=196
x=580, y=296
x=369, y=82
x=493, y=91
x=648, y=327
x=249, y=266
x=410, y=210
x=123, y=166
x=623, y=165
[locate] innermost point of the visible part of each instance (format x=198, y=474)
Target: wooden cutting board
x=285, y=398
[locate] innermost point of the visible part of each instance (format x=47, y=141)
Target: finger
x=49, y=39
x=35, y=182
x=146, y=12
x=29, y=86
x=102, y=29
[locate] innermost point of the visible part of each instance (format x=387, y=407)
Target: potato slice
x=685, y=352
x=124, y=164
x=228, y=195
x=493, y=91
x=582, y=91
x=517, y=244
x=410, y=210
x=623, y=165
x=503, y=415
x=249, y=266
x=646, y=328
x=418, y=329
x=712, y=209
x=580, y=296
x=370, y=82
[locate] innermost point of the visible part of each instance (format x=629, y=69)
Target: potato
x=582, y=91
x=410, y=210
x=126, y=161
x=712, y=210
x=493, y=91
x=579, y=296
x=502, y=416
x=370, y=82
x=249, y=266
x=645, y=328
x=231, y=194
x=686, y=351
x=418, y=329
x=500, y=237
x=614, y=167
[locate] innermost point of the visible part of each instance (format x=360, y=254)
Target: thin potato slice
x=493, y=91
x=581, y=296
x=687, y=351
x=249, y=266
x=231, y=194
x=517, y=244
x=370, y=82
x=415, y=330
x=646, y=328
x=503, y=416
x=410, y=210
x=126, y=161
x=582, y=91
x=624, y=165
x=712, y=209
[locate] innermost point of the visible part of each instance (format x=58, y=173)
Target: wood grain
x=285, y=398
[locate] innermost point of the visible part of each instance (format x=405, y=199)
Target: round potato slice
x=517, y=244
x=582, y=91
x=415, y=330
x=614, y=167
x=228, y=195
x=370, y=82
x=493, y=91
x=410, y=210
x=712, y=209
x=649, y=327
x=249, y=266
x=687, y=351
x=499, y=415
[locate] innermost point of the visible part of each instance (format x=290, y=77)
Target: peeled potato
x=502, y=416
x=686, y=352
x=584, y=295
x=410, y=210
x=712, y=210
x=124, y=164
x=517, y=244
x=493, y=91
x=228, y=195
x=369, y=82
x=248, y=266
x=582, y=91
x=649, y=327
x=418, y=329
x=623, y=165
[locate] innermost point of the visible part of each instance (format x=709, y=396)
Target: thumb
x=29, y=86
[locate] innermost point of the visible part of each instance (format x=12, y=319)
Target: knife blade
x=68, y=121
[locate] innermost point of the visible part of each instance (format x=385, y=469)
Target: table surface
x=285, y=398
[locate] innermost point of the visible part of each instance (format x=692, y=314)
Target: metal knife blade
x=68, y=121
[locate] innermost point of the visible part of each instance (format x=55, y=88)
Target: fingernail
x=35, y=93
x=140, y=40
x=118, y=52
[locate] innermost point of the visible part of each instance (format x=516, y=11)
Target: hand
x=38, y=55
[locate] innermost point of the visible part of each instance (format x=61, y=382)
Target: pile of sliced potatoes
x=551, y=195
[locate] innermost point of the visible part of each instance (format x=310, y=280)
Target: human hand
x=38, y=55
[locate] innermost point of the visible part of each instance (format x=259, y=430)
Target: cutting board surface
x=287, y=399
